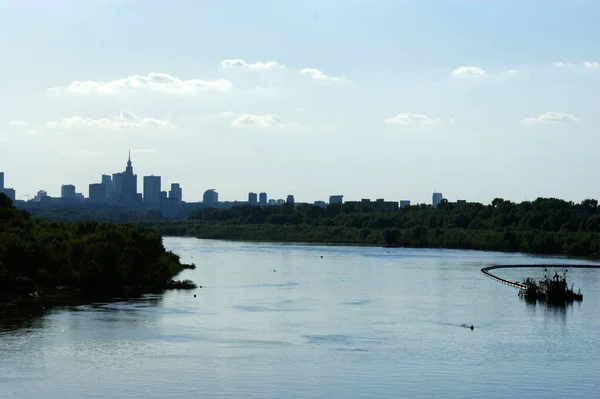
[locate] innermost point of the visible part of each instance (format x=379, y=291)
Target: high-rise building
x=290, y=199
x=252, y=198
x=40, y=195
x=152, y=189
x=109, y=185
x=97, y=193
x=210, y=197
x=125, y=185
x=67, y=191
x=336, y=199
x=437, y=198
x=1, y=180
x=9, y=192
x=162, y=197
x=175, y=192
x=262, y=199
x=404, y=204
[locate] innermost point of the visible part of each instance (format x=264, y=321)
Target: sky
x=369, y=99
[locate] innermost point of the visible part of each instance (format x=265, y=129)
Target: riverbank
x=41, y=258
x=564, y=243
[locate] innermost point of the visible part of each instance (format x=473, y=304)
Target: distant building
x=320, y=204
x=40, y=195
x=336, y=199
x=79, y=197
x=9, y=192
x=461, y=201
x=377, y=205
x=97, y=193
x=272, y=202
x=67, y=191
x=108, y=184
x=152, y=189
x=404, y=204
x=262, y=199
x=125, y=186
x=175, y=194
x=163, y=196
x=436, y=199
x=290, y=199
x=1, y=180
x=280, y=202
x=210, y=197
x=252, y=198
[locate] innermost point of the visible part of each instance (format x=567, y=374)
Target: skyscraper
x=262, y=199
x=252, y=198
x=125, y=184
x=437, y=198
x=1, y=180
x=290, y=199
x=97, y=193
x=336, y=199
x=210, y=197
x=151, y=189
x=175, y=194
x=67, y=191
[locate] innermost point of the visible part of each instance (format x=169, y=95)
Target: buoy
x=321, y=256
x=472, y=328
x=194, y=295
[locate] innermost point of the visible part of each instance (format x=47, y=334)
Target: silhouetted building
x=262, y=199
x=108, y=184
x=40, y=194
x=336, y=199
x=252, y=198
x=290, y=199
x=97, y=193
x=320, y=204
x=436, y=199
x=67, y=191
x=280, y=202
x=125, y=184
x=404, y=204
x=461, y=202
x=210, y=197
x=272, y=202
x=152, y=189
x=1, y=180
x=163, y=196
x=175, y=192
x=9, y=192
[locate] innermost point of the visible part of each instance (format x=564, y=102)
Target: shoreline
x=592, y=258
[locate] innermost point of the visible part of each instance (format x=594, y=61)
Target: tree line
x=90, y=257
x=543, y=226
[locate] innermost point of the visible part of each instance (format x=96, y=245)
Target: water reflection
x=556, y=311
x=31, y=314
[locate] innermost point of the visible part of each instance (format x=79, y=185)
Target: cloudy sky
x=369, y=99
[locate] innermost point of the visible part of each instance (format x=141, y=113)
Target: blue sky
x=370, y=99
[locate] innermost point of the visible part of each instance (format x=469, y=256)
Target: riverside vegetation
x=543, y=226
x=90, y=258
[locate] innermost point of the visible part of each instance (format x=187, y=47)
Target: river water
x=298, y=321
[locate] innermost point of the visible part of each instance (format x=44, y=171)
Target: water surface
x=299, y=321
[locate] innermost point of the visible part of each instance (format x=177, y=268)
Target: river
x=301, y=321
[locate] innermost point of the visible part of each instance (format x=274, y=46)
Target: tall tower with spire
x=126, y=185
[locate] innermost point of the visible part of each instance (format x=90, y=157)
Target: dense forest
x=87, y=257
x=543, y=226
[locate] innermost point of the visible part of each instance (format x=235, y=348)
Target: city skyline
x=327, y=97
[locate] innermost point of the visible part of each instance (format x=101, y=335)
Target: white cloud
x=591, y=65
x=18, y=123
x=318, y=75
x=410, y=119
x=126, y=120
x=512, y=71
x=469, y=71
x=158, y=82
x=237, y=63
x=550, y=117
x=245, y=120
x=560, y=64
